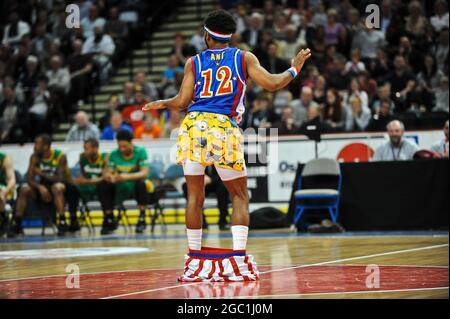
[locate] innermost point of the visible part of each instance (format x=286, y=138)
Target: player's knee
x=25, y=190
x=57, y=189
x=196, y=199
x=240, y=195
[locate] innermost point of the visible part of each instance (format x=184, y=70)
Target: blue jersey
x=219, y=82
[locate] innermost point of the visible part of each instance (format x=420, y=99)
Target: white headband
x=218, y=36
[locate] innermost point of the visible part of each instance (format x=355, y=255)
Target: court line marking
x=178, y=268
x=337, y=293
x=287, y=268
x=359, y=257
x=88, y=273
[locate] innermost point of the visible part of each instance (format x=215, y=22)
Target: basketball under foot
x=218, y=264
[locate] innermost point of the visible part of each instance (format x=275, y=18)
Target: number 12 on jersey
x=223, y=75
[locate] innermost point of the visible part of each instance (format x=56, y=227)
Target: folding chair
x=318, y=171
x=156, y=175
x=173, y=185
x=85, y=218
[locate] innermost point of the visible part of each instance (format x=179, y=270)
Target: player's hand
x=155, y=105
x=301, y=58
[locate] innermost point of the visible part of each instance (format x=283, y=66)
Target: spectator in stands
x=40, y=106
x=149, y=129
x=113, y=106
x=300, y=107
x=133, y=114
x=441, y=147
x=358, y=117
x=441, y=95
x=40, y=45
x=182, y=50
x=124, y=178
x=428, y=80
x=380, y=66
x=258, y=115
x=273, y=63
x=12, y=115
x=413, y=57
x=58, y=76
x=7, y=188
x=118, y=30
x=47, y=182
x=80, y=67
x=333, y=28
x=368, y=41
x=92, y=21
x=101, y=46
x=15, y=30
x=287, y=125
x=334, y=114
x=356, y=91
x=440, y=19
x=290, y=46
x=83, y=129
x=440, y=50
x=127, y=96
x=355, y=66
x=338, y=77
x=320, y=90
x=170, y=129
x=314, y=119
x=117, y=124
x=28, y=78
x=402, y=81
x=416, y=22
x=92, y=163
x=198, y=41
x=171, y=71
x=306, y=31
x=398, y=148
x=381, y=117
x=148, y=88
x=252, y=34
x=280, y=27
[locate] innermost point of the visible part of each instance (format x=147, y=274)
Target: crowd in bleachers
x=359, y=78
x=48, y=69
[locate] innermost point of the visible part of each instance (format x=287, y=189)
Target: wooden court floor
x=352, y=265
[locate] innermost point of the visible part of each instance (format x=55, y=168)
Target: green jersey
x=49, y=165
x=131, y=165
x=93, y=169
x=2, y=169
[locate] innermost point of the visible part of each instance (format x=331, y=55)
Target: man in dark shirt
x=80, y=67
x=286, y=125
x=382, y=118
x=273, y=63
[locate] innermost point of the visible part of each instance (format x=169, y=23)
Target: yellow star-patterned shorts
x=210, y=138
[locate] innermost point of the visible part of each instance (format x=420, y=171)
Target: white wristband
x=293, y=71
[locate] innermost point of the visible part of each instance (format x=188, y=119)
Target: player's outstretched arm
x=183, y=98
x=274, y=82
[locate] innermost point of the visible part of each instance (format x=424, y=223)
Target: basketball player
x=48, y=180
x=7, y=186
x=215, y=80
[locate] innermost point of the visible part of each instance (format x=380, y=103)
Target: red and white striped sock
x=194, y=238
x=240, y=234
